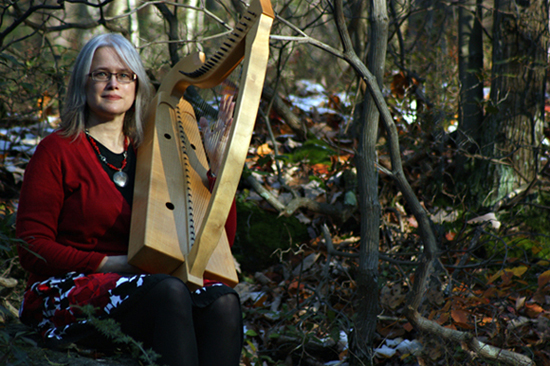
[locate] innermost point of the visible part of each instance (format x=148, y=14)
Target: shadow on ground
x=22, y=346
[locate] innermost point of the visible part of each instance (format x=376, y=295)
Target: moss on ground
x=260, y=233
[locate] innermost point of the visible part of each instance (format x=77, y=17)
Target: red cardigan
x=70, y=213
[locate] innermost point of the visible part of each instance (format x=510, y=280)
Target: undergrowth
x=15, y=341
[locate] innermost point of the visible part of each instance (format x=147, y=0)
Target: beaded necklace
x=120, y=178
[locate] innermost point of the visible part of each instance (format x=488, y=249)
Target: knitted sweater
x=70, y=213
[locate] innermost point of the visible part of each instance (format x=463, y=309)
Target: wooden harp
x=177, y=225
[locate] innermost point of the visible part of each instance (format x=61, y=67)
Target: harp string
x=206, y=102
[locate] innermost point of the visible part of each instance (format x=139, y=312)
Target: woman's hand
x=215, y=135
x=117, y=263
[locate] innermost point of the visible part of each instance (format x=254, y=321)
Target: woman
x=74, y=214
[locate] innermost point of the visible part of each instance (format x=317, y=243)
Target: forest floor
x=298, y=287
x=30, y=350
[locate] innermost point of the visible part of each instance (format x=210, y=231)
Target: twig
x=332, y=251
x=482, y=349
x=464, y=259
x=265, y=194
x=333, y=211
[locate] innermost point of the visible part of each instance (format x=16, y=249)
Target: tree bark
x=468, y=342
x=133, y=23
x=369, y=204
x=291, y=119
x=470, y=68
x=512, y=132
x=194, y=23
x=357, y=26
x=172, y=20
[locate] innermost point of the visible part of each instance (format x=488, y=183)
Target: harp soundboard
x=177, y=224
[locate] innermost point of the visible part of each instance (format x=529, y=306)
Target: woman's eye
x=101, y=74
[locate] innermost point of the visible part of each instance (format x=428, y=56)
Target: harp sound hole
x=170, y=206
x=167, y=136
x=193, y=147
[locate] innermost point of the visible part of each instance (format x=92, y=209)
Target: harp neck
x=196, y=70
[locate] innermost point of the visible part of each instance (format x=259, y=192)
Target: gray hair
x=73, y=117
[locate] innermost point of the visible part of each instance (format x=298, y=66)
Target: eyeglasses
x=123, y=77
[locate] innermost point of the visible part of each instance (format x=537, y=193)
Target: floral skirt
x=54, y=307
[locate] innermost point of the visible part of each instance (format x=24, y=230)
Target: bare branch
x=306, y=39
x=22, y=17
x=265, y=194
x=87, y=3
x=335, y=212
x=484, y=350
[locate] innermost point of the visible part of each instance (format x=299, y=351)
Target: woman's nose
x=113, y=82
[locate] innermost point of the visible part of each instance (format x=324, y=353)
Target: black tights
x=182, y=335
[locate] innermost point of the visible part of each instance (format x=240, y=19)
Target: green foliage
x=33, y=82
x=111, y=329
x=7, y=237
x=11, y=345
x=250, y=349
x=532, y=240
x=12, y=349
x=536, y=220
x=313, y=150
x=521, y=247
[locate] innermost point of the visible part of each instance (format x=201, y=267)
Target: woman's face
x=109, y=100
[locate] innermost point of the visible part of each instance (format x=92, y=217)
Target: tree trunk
x=194, y=22
x=512, y=133
x=172, y=20
x=74, y=37
x=357, y=26
x=114, y=9
x=369, y=205
x=470, y=68
x=133, y=23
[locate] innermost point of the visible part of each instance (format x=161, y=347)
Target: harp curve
x=177, y=225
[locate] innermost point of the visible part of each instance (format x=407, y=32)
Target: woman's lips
x=112, y=97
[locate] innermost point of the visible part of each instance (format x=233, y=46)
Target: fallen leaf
x=486, y=320
x=264, y=150
x=517, y=323
x=320, y=169
x=339, y=159
x=520, y=301
x=460, y=318
x=443, y=318
x=490, y=292
x=450, y=236
x=533, y=310
x=543, y=279
x=494, y=277
x=518, y=271
x=392, y=297
x=490, y=217
x=507, y=277
x=294, y=285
